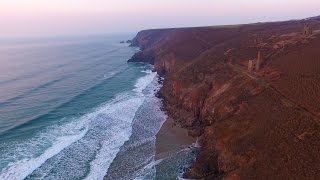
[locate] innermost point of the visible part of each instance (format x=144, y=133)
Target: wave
x=40, y=117
x=176, y=170
x=20, y=169
x=139, y=150
x=31, y=75
x=143, y=82
x=104, y=130
x=42, y=86
x=149, y=171
x=100, y=165
x=59, y=66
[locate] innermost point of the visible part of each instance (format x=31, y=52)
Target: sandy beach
x=171, y=138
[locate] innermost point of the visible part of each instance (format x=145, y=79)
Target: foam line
x=100, y=165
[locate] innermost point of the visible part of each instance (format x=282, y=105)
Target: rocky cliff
x=263, y=124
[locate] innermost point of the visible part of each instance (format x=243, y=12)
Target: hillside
x=263, y=124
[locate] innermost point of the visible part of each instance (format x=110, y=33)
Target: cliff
x=252, y=125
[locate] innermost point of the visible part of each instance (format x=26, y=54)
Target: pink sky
x=59, y=17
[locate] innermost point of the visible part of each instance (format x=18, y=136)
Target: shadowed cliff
x=263, y=124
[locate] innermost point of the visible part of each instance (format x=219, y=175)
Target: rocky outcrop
x=251, y=125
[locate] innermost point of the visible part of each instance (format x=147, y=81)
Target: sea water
x=73, y=108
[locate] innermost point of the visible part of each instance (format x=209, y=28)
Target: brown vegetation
x=259, y=125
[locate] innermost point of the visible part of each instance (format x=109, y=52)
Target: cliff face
x=260, y=125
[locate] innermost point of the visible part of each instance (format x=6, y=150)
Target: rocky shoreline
x=251, y=125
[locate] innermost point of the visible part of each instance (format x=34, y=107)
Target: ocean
x=73, y=108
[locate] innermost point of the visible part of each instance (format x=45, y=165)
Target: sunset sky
x=63, y=17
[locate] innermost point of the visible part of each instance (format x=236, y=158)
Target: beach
x=171, y=139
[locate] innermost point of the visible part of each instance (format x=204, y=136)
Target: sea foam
x=100, y=165
x=22, y=168
x=121, y=110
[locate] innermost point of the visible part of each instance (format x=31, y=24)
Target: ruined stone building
x=254, y=65
x=307, y=30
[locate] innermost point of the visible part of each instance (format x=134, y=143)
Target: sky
x=76, y=17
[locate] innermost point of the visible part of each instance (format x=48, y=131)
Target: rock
x=244, y=128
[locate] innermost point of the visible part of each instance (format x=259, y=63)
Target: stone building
x=307, y=30
x=254, y=65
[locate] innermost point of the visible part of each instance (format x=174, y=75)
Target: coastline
x=171, y=139
x=240, y=117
